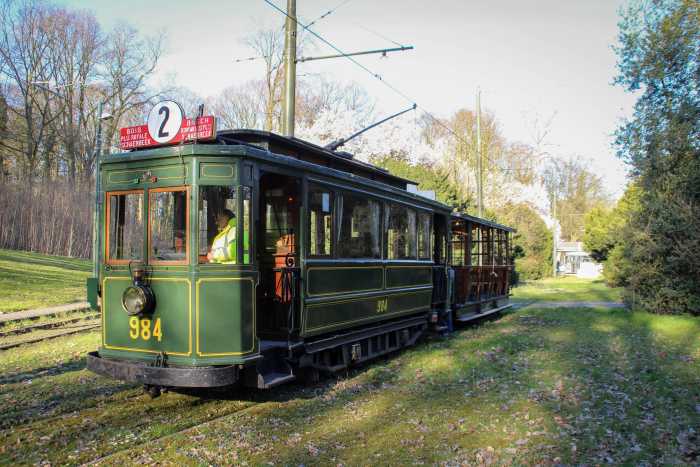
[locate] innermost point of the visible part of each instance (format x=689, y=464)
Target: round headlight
x=137, y=300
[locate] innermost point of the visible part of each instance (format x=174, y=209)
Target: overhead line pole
x=290, y=61
x=479, y=163
x=290, y=69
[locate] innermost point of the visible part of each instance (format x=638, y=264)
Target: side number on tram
x=382, y=305
x=144, y=328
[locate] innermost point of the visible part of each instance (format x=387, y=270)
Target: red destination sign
x=200, y=129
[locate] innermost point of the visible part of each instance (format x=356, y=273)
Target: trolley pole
x=479, y=167
x=290, y=72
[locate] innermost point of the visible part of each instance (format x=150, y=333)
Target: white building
x=573, y=260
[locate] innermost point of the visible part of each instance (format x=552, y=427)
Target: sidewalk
x=28, y=314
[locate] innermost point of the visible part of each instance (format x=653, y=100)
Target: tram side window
x=459, y=242
x=247, y=223
x=125, y=218
x=424, y=235
x=360, y=232
x=217, y=225
x=476, y=246
x=401, y=232
x=320, y=221
x=168, y=229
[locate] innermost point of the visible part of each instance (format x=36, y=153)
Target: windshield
x=169, y=226
x=125, y=232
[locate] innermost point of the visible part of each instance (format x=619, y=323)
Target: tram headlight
x=138, y=300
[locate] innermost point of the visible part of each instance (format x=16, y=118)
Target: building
x=573, y=260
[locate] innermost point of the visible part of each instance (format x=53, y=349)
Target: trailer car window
x=125, y=219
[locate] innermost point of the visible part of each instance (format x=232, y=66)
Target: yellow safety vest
x=223, y=249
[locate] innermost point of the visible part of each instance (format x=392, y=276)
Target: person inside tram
x=223, y=248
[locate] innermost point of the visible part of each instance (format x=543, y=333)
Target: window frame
x=238, y=193
x=108, y=219
x=315, y=186
x=429, y=235
x=338, y=223
x=387, y=220
x=157, y=262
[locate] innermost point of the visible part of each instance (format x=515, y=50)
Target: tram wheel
x=152, y=391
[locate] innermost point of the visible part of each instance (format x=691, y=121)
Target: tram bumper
x=143, y=373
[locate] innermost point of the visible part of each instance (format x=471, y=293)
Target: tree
x=532, y=240
x=429, y=176
x=659, y=58
x=575, y=190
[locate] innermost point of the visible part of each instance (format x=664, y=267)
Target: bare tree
x=268, y=43
x=25, y=53
x=241, y=106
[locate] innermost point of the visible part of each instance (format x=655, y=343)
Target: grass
x=32, y=280
x=566, y=289
x=537, y=386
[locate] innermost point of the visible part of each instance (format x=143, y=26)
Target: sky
x=530, y=58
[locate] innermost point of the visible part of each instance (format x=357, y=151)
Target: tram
x=326, y=262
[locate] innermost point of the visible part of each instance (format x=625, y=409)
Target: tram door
x=278, y=256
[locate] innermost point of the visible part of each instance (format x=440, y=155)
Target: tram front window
x=125, y=234
x=168, y=219
x=217, y=225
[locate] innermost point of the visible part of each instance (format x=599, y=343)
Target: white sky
x=528, y=56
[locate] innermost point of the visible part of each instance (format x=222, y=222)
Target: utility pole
x=290, y=61
x=290, y=69
x=479, y=167
x=554, y=235
x=96, y=247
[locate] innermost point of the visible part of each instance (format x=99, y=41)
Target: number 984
x=141, y=328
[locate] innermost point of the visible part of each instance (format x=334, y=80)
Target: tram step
x=270, y=380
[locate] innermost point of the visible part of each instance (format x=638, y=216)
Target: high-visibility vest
x=223, y=249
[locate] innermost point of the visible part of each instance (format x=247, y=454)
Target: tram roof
x=478, y=220
x=310, y=152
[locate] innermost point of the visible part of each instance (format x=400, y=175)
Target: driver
x=223, y=248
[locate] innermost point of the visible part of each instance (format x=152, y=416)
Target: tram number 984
x=144, y=328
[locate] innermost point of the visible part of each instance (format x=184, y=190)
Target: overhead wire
x=382, y=80
x=328, y=13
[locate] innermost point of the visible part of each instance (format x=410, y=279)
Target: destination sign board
x=167, y=126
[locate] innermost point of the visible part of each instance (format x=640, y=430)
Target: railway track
x=38, y=332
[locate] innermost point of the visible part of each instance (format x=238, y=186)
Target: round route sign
x=164, y=121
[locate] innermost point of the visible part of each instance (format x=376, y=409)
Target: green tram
x=334, y=262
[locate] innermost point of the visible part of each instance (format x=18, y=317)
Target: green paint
x=225, y=316
x=172, y=308
x=338, y=314
x=408, y=276
x=341, y=279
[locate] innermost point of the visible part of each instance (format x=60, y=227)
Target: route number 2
x=165, y=121
x=141, y=328
x=383, y=305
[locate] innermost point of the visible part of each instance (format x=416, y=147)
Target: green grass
x=537, y=386
x=566, y=289
x=32, y=280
